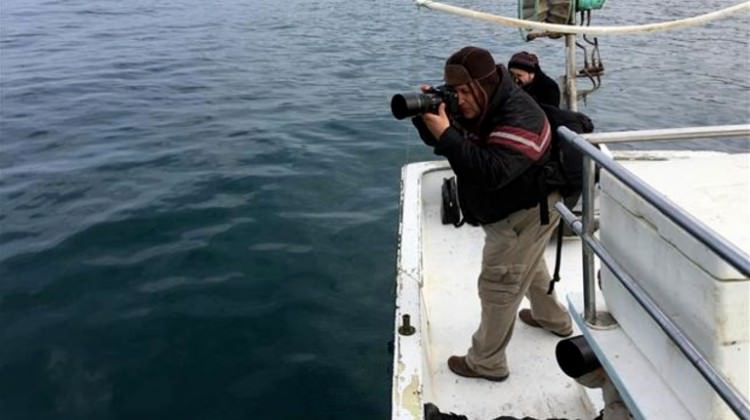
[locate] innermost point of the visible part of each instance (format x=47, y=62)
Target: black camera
x=412, y=104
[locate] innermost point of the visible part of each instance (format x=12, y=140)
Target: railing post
x=571, y=94
x=587, y=197
x=589, y=276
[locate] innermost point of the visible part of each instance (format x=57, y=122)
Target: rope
x=590, y=30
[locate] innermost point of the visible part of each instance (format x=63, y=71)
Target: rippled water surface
x=199, y=200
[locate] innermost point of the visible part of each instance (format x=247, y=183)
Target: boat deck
x=437, y=288
x=536, y=386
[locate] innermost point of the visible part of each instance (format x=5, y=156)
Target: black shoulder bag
x=450, y=211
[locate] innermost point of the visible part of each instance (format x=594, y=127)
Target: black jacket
x=543, y=89
x=498, y=168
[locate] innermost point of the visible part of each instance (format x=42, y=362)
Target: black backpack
x=563, y=171
x=565, y=168
x=566, y=162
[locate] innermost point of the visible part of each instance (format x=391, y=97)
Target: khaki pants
x=513, y=266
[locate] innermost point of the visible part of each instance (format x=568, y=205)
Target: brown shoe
x=525, y=316
x=457, y=365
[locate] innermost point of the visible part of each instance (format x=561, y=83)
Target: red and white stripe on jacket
x=532, y=145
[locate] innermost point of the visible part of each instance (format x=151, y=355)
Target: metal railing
x=686, y=133
x=723, y=248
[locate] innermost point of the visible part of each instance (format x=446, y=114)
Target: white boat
x=668, y=319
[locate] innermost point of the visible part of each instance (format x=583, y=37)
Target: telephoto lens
x=412, y=104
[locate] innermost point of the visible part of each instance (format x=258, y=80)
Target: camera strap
x=558, y=255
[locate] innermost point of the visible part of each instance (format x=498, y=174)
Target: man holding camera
x=525, y=69
x=498, y=147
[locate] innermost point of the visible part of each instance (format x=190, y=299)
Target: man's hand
x=437, y=123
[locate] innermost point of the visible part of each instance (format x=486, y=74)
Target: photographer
x=497, y=146
x=524, y=66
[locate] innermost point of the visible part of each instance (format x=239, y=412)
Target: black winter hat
x=524, y=61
